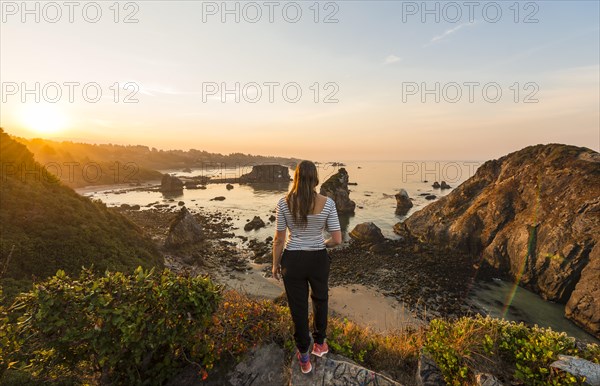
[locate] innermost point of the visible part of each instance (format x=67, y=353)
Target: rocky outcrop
x=533, y=216
x=403, y=202
x=584, y=304
x=336, y=187
x=264, y=365
x=184, y=230
x=367, y=233
x=443, y=185
x=170, y=184
x=267, y=173
x=336, y=370
x=255, y=223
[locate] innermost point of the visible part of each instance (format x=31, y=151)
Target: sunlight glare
x=43, y=118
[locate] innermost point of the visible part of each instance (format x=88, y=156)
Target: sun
x=43, y=118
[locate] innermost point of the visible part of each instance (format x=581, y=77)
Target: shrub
x=242, y=323
x=496, y=345
x=125, y=329
x=394, y=352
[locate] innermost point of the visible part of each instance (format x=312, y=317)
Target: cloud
x=449, y=32
x=391, y=59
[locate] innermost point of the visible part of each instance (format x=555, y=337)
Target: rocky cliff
x=534, y=217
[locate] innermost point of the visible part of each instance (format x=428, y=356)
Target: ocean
x=376, y=184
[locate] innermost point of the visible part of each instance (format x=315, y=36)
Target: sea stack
x=267, y=173
x=403, y=202
x=336, y=187
x=170, y=184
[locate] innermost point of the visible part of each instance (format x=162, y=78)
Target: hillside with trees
x=84, y=164
x=46, y=226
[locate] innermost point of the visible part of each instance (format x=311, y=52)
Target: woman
x=305, y=260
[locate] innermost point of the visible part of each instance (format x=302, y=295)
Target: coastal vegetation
x=124, y=319
x=147, y=326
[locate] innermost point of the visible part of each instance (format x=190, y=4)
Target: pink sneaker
x=320, y=349
x=304, y=360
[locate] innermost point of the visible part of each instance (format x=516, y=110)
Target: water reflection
x=526, y=307
x=270, y=187
x=172, y=195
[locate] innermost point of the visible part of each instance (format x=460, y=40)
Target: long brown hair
x=301, y=198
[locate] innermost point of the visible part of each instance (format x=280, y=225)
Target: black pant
x=298, y=269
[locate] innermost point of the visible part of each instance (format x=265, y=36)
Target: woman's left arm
x=278, y=244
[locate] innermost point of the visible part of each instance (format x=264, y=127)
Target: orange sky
x=356, y=79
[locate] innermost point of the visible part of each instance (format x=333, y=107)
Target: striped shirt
x=310, y=237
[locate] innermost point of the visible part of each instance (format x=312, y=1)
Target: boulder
x=184, y=230
x=580, y=368
x=170, y=184
x=533, y=215
x=403, y=202
x=218, y=198
x=336, y=187
x=430, y=197
x=255, y=223
x=229, y=186
x=436, y=185
x=267, y=173
x=368, y=233
x=444, y=185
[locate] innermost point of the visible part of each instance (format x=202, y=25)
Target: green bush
x=120, y=329
x=496, y=345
